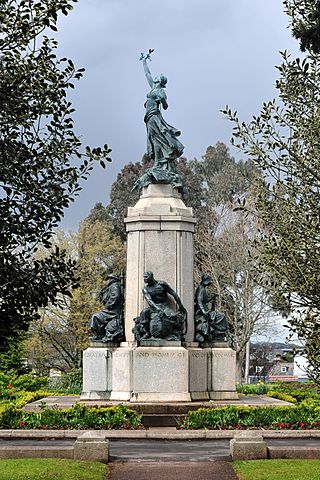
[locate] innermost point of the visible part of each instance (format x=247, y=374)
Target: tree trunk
x=240, y=365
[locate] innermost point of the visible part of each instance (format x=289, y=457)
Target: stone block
x=97, y=373
x=198, y=373
x=92, y=446
x=248, y=445
x=159, y=342
x=222, y=374
x=122, y=373
x=294, y=452
x=36, y=451
x=160, y=374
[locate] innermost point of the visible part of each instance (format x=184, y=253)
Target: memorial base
x=156, y=374
x=160, y=374
x=97, y=370
x=222, y=374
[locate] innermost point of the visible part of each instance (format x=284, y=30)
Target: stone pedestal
x=160, y=229
x=160, y=374
x=160, y=239
x=122, y=372
x=222, y=373
x=92, y=446
x=97, y=373
x=248, y=445
x=199, y=364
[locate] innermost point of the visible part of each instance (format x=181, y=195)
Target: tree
x=305, y=23
x=283, y=142
x=41, y=160
x=222, y=178
x=225, y=254
x=223, y=246
x=57, y=339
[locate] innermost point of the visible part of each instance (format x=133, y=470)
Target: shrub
x=69, y=383
x=79, y=416
x=11, y=384
x=233, y=417
x=282, y=396
x=300, y=391
x=259, y=388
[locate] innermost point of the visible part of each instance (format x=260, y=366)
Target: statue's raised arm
x=146, y=69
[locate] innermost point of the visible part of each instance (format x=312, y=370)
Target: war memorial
x=159, y=339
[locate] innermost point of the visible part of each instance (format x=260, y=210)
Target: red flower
x=9, y=386
x=22, y=424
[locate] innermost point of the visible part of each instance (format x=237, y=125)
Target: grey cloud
x=214, y=52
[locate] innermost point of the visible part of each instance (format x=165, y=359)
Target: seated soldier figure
x=211, y=325
x=107, y=325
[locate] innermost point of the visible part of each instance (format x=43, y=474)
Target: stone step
x=292, y=452
x=161, y=420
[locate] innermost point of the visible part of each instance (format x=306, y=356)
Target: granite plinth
x=222, y=373
x=160, y=375
x=216, y=344
x=158, y=342
x=122, y=373
x=97, y=371
x=158, y=372
x=100, y=344
x=198, y=373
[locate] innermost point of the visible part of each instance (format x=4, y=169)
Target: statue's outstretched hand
x=148, y=56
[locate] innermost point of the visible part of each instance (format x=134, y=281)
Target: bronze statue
x=159, y=320
x=107, y=325
x=211, y=325
x=163, y=145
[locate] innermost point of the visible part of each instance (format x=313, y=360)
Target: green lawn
x=51, y=469
x=278, y=469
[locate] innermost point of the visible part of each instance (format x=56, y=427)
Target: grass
x=278, y=469
x=51, y=469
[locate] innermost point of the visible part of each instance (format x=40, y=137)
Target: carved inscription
x=96, y=354
x=161, y=355
x=199, y=355
x=222, y=355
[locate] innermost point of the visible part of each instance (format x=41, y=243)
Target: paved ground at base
x=169, y=451
x=165, y=407
x=172, y=471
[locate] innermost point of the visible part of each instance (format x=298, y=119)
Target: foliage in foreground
x=277, y=469
x=287, y=391
x=51, y=469
x=304, y=416
x=283, y=142
x=77, y=417
x=259, y=388
x=42, y=160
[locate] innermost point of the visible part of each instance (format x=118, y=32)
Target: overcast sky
x=214, y=53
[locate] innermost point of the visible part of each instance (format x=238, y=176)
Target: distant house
x=282, y=370
x=272, y=362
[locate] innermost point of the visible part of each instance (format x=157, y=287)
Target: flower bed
x=292, y=417
x=77, y=417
